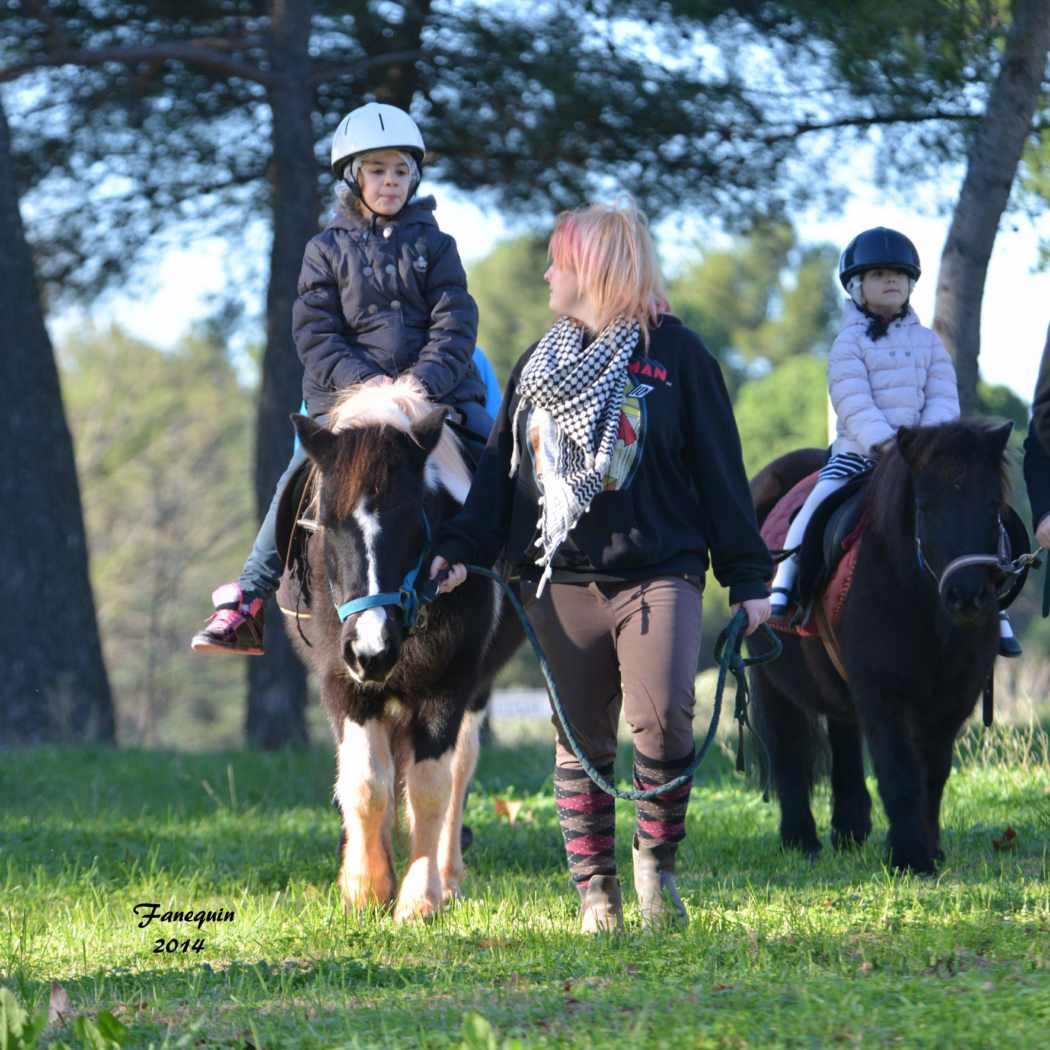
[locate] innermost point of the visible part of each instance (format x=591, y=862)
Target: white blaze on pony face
x=368, y=629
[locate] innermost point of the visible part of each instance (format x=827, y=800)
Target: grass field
x=780, y=952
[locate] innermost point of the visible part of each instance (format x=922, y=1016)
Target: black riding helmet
x=878, y=247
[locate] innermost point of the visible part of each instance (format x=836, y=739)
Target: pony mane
x=401, y=404
x=948, y=450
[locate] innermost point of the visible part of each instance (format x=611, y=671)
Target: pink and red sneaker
x=236, y=626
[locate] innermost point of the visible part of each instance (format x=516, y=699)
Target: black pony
x=916, y=644
x=405, y=695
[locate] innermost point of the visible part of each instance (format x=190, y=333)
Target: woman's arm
x=851, y=396
x=478, y=533
x=739, y=556
x=319, y=328
x=447, y=356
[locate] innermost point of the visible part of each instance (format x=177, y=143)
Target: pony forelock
x=401, y=404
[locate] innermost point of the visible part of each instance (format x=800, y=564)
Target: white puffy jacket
x=904, y=379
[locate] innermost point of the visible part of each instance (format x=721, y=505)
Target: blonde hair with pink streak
x=610, y=250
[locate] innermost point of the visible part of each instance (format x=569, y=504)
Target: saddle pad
x=774, y=533
x=293, y=597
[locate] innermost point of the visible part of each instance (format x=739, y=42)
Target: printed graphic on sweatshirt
x=643, y=377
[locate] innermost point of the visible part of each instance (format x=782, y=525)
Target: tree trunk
x=53, y=684
x=991, y=166
x=277, y=681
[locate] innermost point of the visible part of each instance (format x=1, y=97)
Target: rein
x=730, y=661
x=727, y=653
x=1000, y=562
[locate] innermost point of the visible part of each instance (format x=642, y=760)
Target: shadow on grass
x=117, y=818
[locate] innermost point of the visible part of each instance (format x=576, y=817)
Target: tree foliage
x=162, y=114
x=162, y=445
x=761, y=300
x=512, y=300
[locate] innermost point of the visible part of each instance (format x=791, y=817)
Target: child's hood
x=420, y=210
x=853, y=315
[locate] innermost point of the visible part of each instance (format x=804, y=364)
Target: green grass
x=780, y=952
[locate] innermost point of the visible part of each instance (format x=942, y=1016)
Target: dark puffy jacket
x=384, y=298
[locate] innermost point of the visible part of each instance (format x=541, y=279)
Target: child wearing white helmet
x=381, y=293
x=885, y=371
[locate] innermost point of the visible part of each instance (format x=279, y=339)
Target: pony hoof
x=847, y=839
x=413, y=910
x=921, y=865
x=362, y=894
x=809, y=848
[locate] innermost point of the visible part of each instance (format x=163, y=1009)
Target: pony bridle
x=1000, y=562
x=405, y=597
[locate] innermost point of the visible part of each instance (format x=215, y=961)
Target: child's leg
x=237, y=623
x=787, y=570
x=262, y=571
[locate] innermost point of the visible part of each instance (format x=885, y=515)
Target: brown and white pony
x=405, y=706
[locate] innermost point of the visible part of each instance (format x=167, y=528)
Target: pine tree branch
x=207, y=58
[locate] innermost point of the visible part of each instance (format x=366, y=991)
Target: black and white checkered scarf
x=579, y=392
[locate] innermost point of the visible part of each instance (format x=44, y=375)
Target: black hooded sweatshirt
x=675, y=492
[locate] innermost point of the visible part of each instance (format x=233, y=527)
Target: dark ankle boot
x=654, y=883
x=601, y=905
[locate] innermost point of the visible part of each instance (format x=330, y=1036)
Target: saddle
x=293, y=538
x=827, y=555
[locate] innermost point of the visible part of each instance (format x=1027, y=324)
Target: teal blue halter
x=406, y=598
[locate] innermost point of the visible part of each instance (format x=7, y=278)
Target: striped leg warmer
x=661, y=820
x=587, y=818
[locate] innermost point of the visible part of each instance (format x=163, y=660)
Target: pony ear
x=428, y=430
x=316, y=439
x=906, y=443
x=998, y=436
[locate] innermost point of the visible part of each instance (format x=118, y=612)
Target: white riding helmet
x=375, y=126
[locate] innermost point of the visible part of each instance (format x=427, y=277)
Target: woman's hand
x=456, y=575
x=757, y=610
x=1042, y=533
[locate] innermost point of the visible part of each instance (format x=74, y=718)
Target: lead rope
x=730, y=661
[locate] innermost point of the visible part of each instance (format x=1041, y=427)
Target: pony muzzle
x=969, y=596
x=372, y=644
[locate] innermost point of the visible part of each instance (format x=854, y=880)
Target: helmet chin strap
x=351, y=173
x=857, y=295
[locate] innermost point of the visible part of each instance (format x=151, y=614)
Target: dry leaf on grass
x=509, y=808
x=60, y=1006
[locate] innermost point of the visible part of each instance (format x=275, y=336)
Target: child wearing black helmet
x=382, y=293
x=885, y=371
